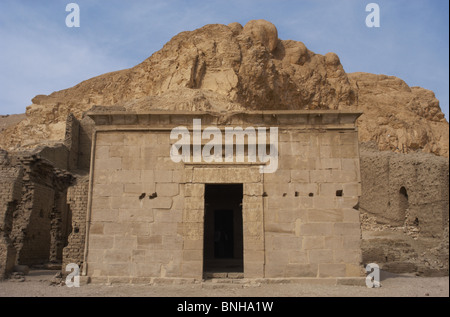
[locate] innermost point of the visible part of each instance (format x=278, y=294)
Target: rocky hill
x=231, y=68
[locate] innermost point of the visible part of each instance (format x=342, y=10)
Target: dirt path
x=38, y=283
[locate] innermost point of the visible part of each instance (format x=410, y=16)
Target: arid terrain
x=42, y=283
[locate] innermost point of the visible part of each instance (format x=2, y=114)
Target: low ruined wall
x=33, y=218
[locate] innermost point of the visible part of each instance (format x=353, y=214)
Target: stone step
x=224, y=275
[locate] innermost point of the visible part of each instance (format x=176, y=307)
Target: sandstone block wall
x=133, y=237
x=147, y=214
x=311, y=226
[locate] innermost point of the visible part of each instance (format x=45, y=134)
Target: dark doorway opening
x=223, y=240
x=403, y=203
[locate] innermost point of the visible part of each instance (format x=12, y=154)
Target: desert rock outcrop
x=230, y=68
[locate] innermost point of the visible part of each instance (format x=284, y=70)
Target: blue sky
x=39, y=54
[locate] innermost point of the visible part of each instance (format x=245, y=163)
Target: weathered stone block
x=134, y=189
x=300, y=176
x=125, y=243
x=289, y=216
x=194, y=190
x=112, y=228
x=193, y=230
x=138, y=256
x=323, y=215
x=285, y=242
x=96, y=228
x=147, y=269
x=108, y=190
x=253, y=189
x=312, y=242
x=347, y=229
x=320, y=256
x=104, y=215
x=167, y=189
x=351, y=215
x=163, y=176
x=346, y=202
x=329, y=189
x=149, y=242
x=100, y=242
x=298, y=257
x=284, y=227
x=126, y=177
x=320, y=176
x=332, y=270
x=352, y=189
x=101, y=203
x=164, y=228
x=352, y=270
x=324, y=202
x=139, y=229
x=316, y=229
x=194, y=203
x=350, y=164
x=193, y=215
x=117, y=256
x=192, y=269
x=193, y=244
x=347, y=256
x=339, y=176
x=301, y=270
x=109, y=138
x=168, y=215
x=192, y=255
x=351, y=242
x=328, y=163
x=162, y=202
x=333, y=242
x=281, y=176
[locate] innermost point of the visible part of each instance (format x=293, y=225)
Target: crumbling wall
x=77, y=203
x=409, y=189
x=404, y=206
x=35, y=218
x=10, y=195
x=37, y=226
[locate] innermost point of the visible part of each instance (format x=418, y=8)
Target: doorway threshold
x=224, y=275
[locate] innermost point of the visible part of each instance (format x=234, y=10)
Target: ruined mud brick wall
x=77, y=198
x=41, y=213
x=36, y=214
x=405, y=200
x=411, y=189
x=297, y=222
x=10, y=194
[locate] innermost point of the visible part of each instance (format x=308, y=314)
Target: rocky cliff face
x=234, y=68
x=398, y=117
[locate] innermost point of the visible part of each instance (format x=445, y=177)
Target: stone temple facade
x=149, y=217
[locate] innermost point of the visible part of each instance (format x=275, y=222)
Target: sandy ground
x=38, y=284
